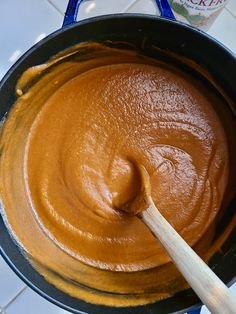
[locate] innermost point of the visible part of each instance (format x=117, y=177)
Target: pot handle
x=73, y=7
x=165, y=9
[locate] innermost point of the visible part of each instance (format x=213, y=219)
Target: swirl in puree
x=70, y=145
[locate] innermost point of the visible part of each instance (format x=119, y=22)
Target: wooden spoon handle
x=210, y=289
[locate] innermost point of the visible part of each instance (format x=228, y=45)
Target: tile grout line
x=129, y=6
x=13, y=299
x=55, y=7
x=122, y=11
x=230, y=12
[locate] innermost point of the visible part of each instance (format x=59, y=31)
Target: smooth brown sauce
x=68, y=150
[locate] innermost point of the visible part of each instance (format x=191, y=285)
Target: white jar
x=199, y=13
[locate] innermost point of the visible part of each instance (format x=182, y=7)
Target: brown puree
x=67, y=163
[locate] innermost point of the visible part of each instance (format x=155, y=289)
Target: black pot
x=168, y=35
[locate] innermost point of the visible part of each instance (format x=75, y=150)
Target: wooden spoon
x=209, y=288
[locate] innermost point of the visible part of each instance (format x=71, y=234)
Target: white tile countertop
x=24, y=23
